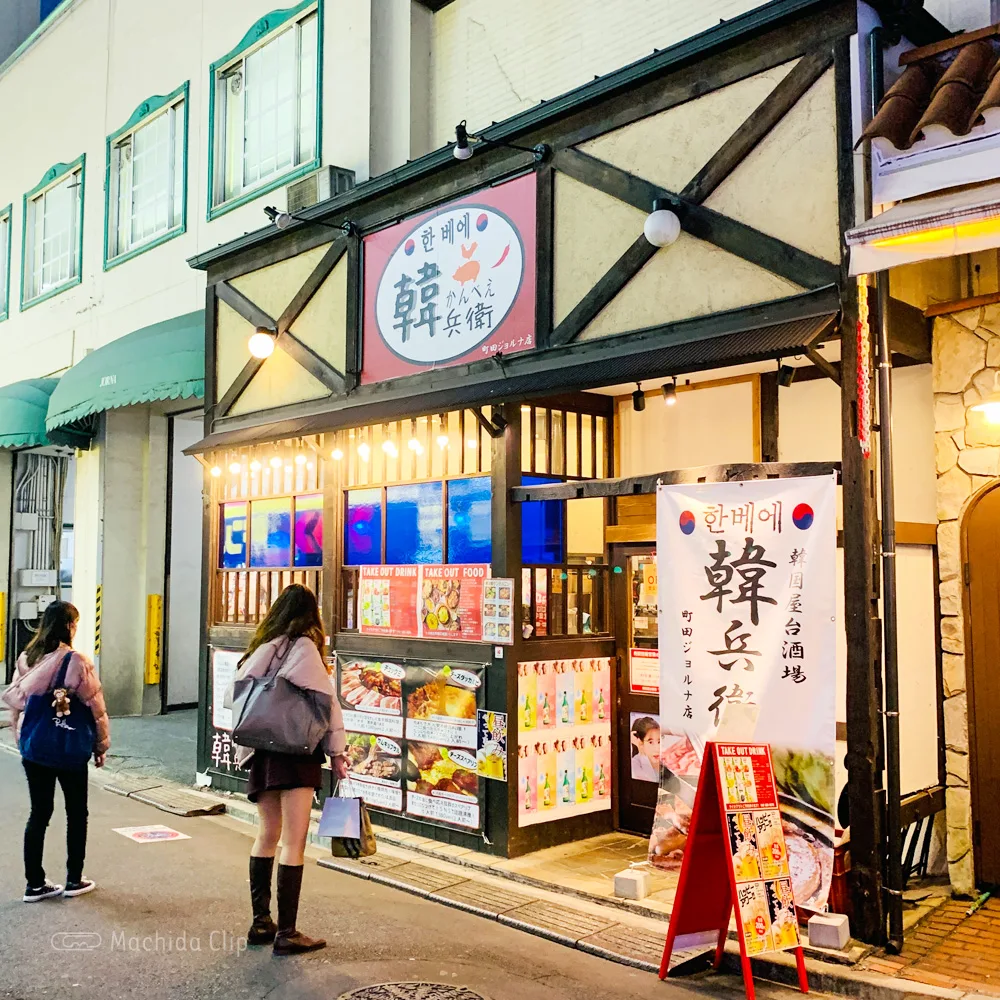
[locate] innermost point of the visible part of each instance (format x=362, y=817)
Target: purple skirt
x=273, y=772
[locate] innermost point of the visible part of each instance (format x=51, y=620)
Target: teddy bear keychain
x=60, y=702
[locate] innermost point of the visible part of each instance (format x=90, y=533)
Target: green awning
x=158, y=362
x=23, y=406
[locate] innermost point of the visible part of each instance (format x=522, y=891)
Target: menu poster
x=225, y=664
x=451, y=602
x=498, y=610
x=757, y=847
x=491, y=745
x=564, y=739
x=644, y=671
x=442, y=784
x=387, y=598
x=413, y=736
x=375, y=766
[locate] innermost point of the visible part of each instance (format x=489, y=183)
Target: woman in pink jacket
x=282, y=785
x=37, y=669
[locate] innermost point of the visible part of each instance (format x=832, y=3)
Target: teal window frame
x=53, y=176
x=8, y=215
x=262, y=31
x=149, y=109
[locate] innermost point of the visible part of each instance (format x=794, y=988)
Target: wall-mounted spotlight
x=261, y=343
x=670, y=393
x=466, y=143
x=282, y=220
x=786, y=375
x=638, y=399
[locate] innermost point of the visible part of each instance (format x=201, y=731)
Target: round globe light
x=261, y=344
x=662, y=227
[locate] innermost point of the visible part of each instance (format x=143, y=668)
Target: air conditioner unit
x=327, y=182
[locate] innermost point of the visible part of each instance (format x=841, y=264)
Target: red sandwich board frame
x=706, y=890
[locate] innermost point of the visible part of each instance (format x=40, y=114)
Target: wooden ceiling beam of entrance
x=727, y=234
x=762, y=119
x=251, y=312
x=312, y=284
x=828, y=368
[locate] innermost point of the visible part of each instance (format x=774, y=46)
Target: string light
x=235, y=468
x=336, y=454
x=276, y=462
x=415, y=446
x=255, y=466
x=390, y=449
x=364, y=451
x=472, y=443
x=300, y=459
x=215, y=471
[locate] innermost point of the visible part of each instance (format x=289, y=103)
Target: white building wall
x=490, y=60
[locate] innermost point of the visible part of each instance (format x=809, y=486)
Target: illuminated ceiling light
x=662, y=227
x=670, y=393
x=989, y=408
x=301, y=459
x=442, y=441
x=364, y=451
x=261, y=344
x=415, y=446
x=276, y=462
x=215, y=471
x=235, y=468
x=336, y=454
x=390, y=449
x=638, y=399
x=255, y=466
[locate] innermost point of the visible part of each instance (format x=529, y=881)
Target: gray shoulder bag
x=273, y=714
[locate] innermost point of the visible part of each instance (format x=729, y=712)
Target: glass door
x=638, y=728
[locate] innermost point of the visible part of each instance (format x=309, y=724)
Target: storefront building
x=933, y=236
x=444, y=400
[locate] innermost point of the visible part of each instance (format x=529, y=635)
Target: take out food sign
x=453, y=285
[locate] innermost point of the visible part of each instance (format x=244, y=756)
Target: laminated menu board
x=736, y=858
x=451, y=602
x=387, y=600
x=498, y=610
x=412, y=736
x=564, y=739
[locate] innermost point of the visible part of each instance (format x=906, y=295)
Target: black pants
x=42, y=788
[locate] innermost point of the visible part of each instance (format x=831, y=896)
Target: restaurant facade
x=444, y=400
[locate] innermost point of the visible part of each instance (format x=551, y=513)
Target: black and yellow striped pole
x=97, y=620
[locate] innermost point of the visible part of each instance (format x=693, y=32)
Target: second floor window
x=266, y=108
x=4, y=262
x=52, y=235
x=146, y=172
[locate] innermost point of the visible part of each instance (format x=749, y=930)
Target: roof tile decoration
x=946, y=92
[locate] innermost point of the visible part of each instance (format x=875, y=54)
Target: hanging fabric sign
x=747, y=613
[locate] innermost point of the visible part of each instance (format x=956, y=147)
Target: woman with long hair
x=38, y=668
x=280, y=784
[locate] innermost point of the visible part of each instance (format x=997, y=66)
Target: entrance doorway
x=637, y=633
x=981, y=531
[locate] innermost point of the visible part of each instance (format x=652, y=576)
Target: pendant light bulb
x=235, y=468
x=364, y=451
x=276, y=462
x=670, y=393
x=301, y=459
x=662, y=226
x=336, y=454
x=255, y=466
x=261, y=344
x=215, y=472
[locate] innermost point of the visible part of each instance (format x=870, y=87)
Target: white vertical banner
x=747, y=580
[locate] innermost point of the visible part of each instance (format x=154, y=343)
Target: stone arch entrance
x=981, y=574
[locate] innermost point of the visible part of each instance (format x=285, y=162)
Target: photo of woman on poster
x=645, y=736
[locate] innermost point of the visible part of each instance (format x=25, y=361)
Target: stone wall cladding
x=967, y=447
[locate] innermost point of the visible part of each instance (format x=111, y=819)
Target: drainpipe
x=890, y=644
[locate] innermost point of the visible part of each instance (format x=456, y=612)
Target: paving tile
x=449, y=850
x=362, y=866
x=178, y=801
x=126, y=784
x=417, y=878
x=481, y=897
x=558, y=923
x=640, y=947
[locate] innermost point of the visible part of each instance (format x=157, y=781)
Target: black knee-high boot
x=263, y=929
x=289, y=941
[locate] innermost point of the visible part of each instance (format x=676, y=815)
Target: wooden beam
x=744, y=241
x=544, y=255
x=828, y=368
x=608, y=286
x=312, y=284
x=764, y=117
x=957, y=305
x=318, y=367
x=909, y=331
x=239, y=385
x=769, y=416
x=355, y=311
x=252, y=313
x=860, y=600
x=634, y=485
x=640, y=533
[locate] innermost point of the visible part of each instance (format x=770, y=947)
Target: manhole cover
x=412, y=991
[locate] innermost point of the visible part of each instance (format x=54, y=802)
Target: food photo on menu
x=438, y=771
x=440, y=698
x=372, y=686
x=439, y=603
x=367, y=757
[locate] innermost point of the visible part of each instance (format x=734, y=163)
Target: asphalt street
x=168, y=918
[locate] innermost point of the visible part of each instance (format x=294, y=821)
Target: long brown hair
x=53, y=631
x=295, y=614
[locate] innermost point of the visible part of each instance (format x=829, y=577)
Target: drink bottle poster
x=747, y=616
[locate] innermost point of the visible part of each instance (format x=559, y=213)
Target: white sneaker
x=32, y=894
x=79, y=888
